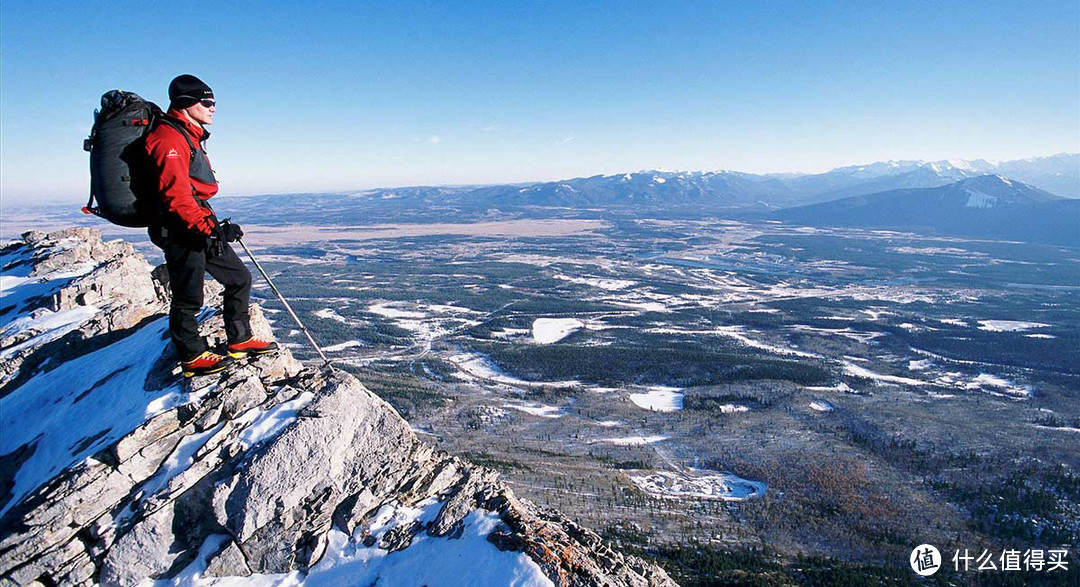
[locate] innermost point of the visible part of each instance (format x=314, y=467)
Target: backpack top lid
x=115, y=101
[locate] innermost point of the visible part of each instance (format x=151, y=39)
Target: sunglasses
x=207, y=103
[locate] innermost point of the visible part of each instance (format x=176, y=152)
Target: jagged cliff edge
x=113, y=472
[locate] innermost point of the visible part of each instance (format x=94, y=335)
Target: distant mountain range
x=1029, y=198
x=986, y=205
x=1059, y=174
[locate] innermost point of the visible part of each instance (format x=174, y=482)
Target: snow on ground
x=388, y=311
x=67, y=423
x=699, y=483
x=607, y=284
x=510, y=332
x=1061, y=428
x=739, y=334
x=343, y=345
x=538, y=410
x=821, y=406
x=1009, y=325
x=857, y=335
x=733, y=408
x=991, y=381
x=1039, y=336
x=450, y=309
x=659, y=398
x=598, y=389
x=634, y=440
x=420, y=320
x=953, y=321
x=478, y=366
x=875, y=313
x=644, y=300
x=608, y=423
x=852, y=370
x=953, y=251
x=977, y=199
x=643, y=306
x=921, y=365
x=467, y=560
x=549, y=330
x=329, y=314
x=986, y=382
x=839, y=387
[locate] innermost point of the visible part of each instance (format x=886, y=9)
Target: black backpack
x=122, y=177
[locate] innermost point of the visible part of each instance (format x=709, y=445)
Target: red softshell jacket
x=170, y=153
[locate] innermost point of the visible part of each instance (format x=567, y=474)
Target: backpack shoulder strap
x=163, y=119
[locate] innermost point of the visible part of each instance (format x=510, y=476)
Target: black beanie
x=186, y=90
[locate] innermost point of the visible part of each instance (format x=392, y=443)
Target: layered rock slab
x=262, y=471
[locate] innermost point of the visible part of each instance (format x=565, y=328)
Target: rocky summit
x=115, y=471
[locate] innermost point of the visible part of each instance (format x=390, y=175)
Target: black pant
x=188, y=259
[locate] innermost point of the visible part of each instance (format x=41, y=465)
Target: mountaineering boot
x=205, y=364
x=252, y=346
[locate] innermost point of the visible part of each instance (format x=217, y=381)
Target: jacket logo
x=172, y=154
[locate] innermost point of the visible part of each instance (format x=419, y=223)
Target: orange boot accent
x=251, y=346
x=205, y=364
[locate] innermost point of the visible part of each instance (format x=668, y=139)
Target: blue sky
x=321, y=96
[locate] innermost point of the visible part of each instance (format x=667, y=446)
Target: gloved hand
x=231, y=232
x=214, y=245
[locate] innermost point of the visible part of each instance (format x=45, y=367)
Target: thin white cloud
x=434, y=139
x=565, y=140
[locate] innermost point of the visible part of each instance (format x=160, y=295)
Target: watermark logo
x=925, y=560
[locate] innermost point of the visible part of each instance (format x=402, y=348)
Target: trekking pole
x=286, y=304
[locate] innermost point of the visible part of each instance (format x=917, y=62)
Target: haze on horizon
x=345, y=97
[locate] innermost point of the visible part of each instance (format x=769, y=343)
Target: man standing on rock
x=189, y=233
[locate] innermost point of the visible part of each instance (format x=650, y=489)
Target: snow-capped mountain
x=681, y=192
x=737, y=190
x=645, y=189
x=113, y=471
x=1058, y=174
x=986, y=205
x=878, y=177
